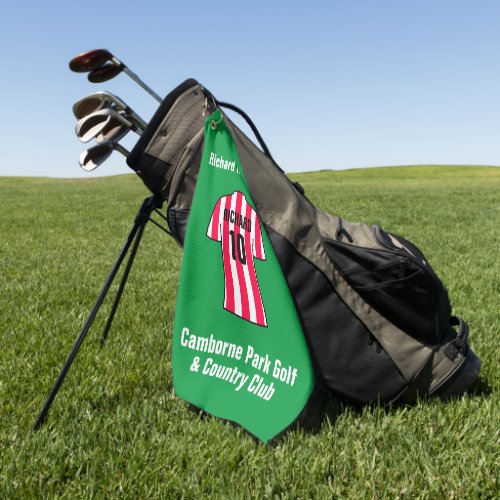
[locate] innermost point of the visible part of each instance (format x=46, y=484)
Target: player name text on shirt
x=237, y=219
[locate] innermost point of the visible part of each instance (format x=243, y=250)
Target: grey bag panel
x=144, y=158
x=328, y=224
x=168, y=151
x=184, y=180
x=180, y=125
x=333, y=228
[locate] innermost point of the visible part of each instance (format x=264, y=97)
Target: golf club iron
x=102, y=66
x=103, y=99
x=96, y=155
x=108, y=119
x=112, y=132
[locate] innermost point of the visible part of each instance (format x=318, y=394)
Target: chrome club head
x=103, y=99
x=92, y=125
x=97, y=155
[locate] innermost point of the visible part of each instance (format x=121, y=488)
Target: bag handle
x=251, y=124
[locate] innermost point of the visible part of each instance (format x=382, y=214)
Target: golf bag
x=376, y=317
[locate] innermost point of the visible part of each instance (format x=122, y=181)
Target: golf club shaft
x=121, y=149
x=138, y=121
x=135, y=128
x=134, y=77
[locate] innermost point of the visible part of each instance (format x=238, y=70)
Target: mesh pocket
x=395, y=286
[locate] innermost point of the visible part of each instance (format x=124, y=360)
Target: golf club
x=107, y=119
x=102, y=66
x=95, y=156
x=103, y=99
x=104, y=73
x=88, y=61
x=112, y=132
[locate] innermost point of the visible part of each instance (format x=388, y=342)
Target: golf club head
x=89, y=61
x=94, y=157
x=104, y=73
x=112, y=132
x=104, y=99
x=96, y=101
x=102, y=66
x=92, y=125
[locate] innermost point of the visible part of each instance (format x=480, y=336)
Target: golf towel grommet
x=214, y=123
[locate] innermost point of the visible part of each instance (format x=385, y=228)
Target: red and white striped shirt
x=235, y=224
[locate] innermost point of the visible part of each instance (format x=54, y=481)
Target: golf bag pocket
x=394, y=278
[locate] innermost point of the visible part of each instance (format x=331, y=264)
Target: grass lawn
x=117, y=430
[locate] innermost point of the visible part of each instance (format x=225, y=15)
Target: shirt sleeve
x=214, y=227
x=258, y=243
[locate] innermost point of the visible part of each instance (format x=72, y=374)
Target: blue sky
x=338, y=84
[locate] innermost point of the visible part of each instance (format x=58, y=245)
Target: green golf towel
x=238, y=348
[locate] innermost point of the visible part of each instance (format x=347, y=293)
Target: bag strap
x=460, y=343
x=263, y=145
x=251, y=124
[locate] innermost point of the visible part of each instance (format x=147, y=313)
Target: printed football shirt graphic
x=235, y=224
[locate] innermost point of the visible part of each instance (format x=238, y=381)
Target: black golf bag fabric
x=376, y=317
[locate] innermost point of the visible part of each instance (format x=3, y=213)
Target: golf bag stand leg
x=122, y=283
x=135, y=235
